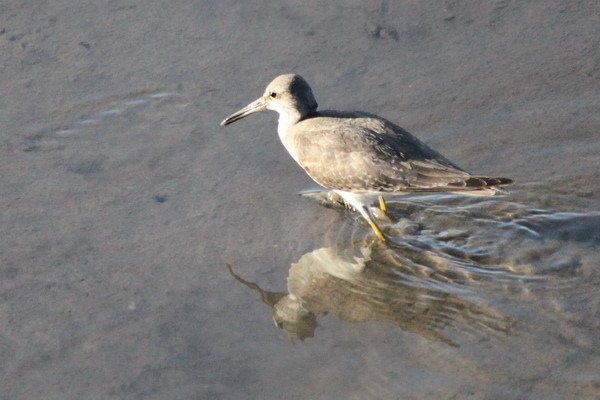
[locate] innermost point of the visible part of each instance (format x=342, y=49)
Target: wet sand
x=123, y=202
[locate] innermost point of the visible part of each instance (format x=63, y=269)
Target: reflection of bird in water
x=365, y=289
x=360, y=156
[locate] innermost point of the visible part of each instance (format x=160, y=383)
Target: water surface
x=147, y=253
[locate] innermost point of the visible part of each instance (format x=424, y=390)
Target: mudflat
x=123, y=202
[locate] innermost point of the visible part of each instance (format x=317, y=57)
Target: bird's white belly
x=364, y=198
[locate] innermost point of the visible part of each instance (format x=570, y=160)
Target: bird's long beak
x=259, y=104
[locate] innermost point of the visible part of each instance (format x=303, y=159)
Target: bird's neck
x=286, y=121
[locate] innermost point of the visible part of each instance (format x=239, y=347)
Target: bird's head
x=288, y=94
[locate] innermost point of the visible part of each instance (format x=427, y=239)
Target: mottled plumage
x=357, y=154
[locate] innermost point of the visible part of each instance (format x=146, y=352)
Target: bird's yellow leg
x=382, y=206
x=364, y=211
x=367, y=215
x=377, y=230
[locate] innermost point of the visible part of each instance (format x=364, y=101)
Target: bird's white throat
x=286, y=121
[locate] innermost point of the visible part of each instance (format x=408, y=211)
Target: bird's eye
x=272, y=95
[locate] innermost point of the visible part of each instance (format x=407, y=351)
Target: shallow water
x=508, y=288
x=145, y=252
x=472, y=297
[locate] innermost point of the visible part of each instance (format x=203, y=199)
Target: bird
x=358, y=155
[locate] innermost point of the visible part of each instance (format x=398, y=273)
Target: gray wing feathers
x=369, y=154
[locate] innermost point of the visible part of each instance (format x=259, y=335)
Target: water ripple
x=82, y=118
x=448, y=259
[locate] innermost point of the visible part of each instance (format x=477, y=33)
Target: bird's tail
x=481, y=186
x=482, y=181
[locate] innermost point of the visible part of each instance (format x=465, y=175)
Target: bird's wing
x=369, y=154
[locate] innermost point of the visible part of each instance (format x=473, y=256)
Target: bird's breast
x=287, y=139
